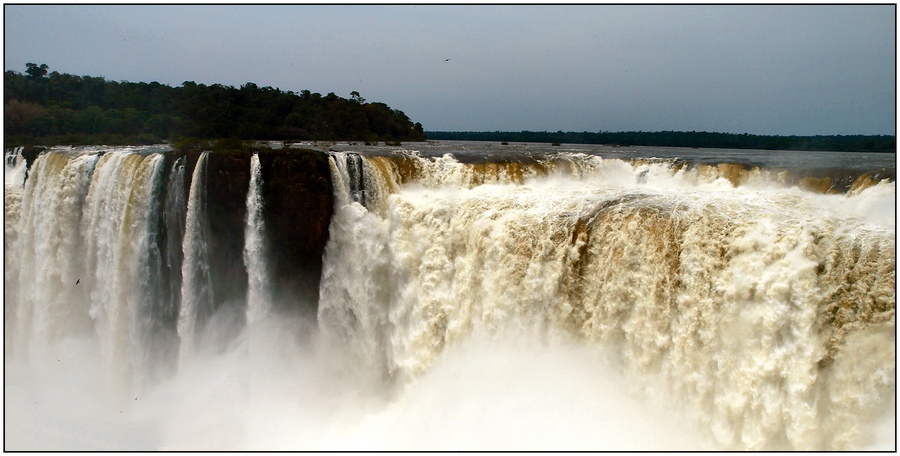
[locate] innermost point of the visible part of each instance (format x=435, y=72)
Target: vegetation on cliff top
x=58, y=108
x=844, y=143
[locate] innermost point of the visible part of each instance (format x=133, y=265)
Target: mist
x=277, y=387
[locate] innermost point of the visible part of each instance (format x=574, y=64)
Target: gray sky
x=801, y=69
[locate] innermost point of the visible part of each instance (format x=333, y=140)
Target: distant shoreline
x=697, y=140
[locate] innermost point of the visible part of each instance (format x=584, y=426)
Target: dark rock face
x=298, y=204
x=228, y=178
x=298, y=199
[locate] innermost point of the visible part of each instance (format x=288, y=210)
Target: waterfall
x=14, y=169
x=499, y=302
x=354, y=312
x=175, y=215
x=49, y=302
x=84, y=247
x=196, y=287
x=353, y=167
x=13, y=183
x=123, y=262
x=731, y=297
x=259, y=298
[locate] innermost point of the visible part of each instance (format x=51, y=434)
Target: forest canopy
x=841, y=143
x=42, y=107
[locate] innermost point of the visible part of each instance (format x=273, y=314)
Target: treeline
x=66, y=109
x=842, y=143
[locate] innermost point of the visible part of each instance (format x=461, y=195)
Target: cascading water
x=259, y=299
x=560, y=302
x=14, y=169
x=126, y=268
x=13, y=183
x=84, y=259
x=175, y=215
x=353, y=311
x=196, y=287
x=734, y=299
x=49, y=303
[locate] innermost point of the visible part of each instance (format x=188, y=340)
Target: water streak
x=196, y=287
x=175, y=215
x=259, y=297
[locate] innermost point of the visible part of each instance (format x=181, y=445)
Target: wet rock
x=297, y=206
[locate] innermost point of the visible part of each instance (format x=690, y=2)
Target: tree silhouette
x=83, y=110
x=36, y=71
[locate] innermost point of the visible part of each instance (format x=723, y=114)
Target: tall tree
x=36, y=71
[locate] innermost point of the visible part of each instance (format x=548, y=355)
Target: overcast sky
x=784, y=70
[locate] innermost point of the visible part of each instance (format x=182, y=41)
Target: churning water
x=529, y=299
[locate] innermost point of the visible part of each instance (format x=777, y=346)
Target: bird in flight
x=446, y=60
x=77, y=281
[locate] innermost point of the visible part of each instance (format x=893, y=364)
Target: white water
x=259, y=298
x=122, y=269
x=581, y=304
x=49, y=305
x=716, y=300
x=13, y=183
x=196, y=287
x=175, y=217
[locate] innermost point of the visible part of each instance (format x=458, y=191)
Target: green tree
x=78, y=109
x=18, y=114
x=36, y=71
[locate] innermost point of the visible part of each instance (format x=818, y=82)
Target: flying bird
x=77, y=281
x=446, y=60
